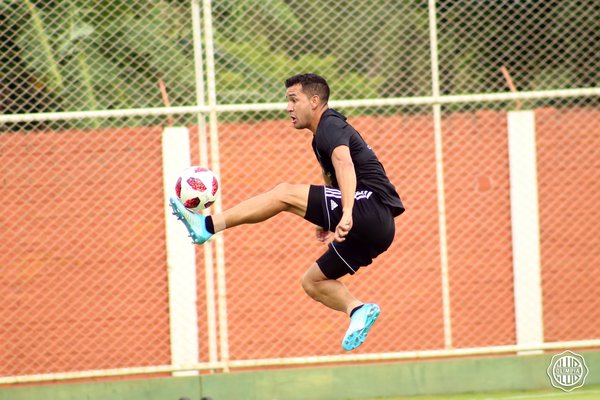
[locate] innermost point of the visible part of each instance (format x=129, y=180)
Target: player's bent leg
x=330, y=292
x=284, y=197
x=335, y=295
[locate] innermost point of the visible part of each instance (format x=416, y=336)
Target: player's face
x=299, y=107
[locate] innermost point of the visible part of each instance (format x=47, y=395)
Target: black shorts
x=372, y=230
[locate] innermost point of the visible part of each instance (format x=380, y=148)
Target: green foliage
x=247, y=80
x=106, y=54
x=73, y=55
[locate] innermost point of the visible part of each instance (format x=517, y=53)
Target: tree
x=87, y=55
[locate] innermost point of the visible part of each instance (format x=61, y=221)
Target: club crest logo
x=567, y=371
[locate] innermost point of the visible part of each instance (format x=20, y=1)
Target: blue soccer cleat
x=360, y=323
x=195, y=223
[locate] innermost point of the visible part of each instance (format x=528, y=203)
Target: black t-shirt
x=334, y=131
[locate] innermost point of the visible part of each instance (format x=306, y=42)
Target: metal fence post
x=211, y=318
x=215, y=165
x=439, y=163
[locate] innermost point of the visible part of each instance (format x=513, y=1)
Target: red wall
x=82, y=252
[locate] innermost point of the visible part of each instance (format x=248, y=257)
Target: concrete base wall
x=324, y=383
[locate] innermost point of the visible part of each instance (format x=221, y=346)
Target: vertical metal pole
x=216, y=167
x=439, y=162
x=211, y=312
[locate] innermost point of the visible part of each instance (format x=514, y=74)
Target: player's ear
x=314, y=101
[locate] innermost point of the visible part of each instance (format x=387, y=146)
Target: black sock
x=355, y=309
x=210, y=227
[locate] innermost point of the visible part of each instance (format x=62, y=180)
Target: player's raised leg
x=284, y=197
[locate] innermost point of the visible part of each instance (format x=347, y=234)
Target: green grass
x=584, y=393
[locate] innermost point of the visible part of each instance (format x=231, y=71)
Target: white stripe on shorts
x=337, y=194
x=327, y=208
x=342, y=258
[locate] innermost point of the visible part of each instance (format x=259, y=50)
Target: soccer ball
x=197, y=188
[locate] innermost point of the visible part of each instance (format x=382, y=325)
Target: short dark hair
x=311, y=84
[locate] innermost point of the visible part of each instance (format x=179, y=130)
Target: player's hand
x=343, y=228
x=324, y=236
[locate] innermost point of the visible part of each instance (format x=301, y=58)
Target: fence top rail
x=396, y=101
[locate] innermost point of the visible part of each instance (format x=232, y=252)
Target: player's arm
x=323, y=235
x=346, y=177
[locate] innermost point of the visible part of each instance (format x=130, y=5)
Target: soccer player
x=354, y=211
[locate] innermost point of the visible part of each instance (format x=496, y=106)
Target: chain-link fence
x=84, y=277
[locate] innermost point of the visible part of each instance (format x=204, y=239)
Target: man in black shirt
x=354, y=212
